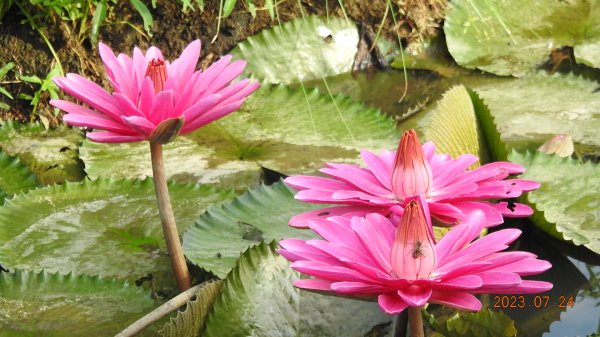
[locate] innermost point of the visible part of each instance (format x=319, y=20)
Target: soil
x=173, y=29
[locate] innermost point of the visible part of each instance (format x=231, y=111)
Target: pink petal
x=361, y=178
x=357, y=288
x=301, y=220
x=214, y=114
x=379, y=168
x=317, y=183
x=111, y=137
x=462, y=282
x=163, y=105
x=211, y=73
x=456, y=300
x=96, y=123
x=313, y=284
x=200, y=107
x=514, y=211
x=458, y=237
x=184, y=66
x=128, y=108
x=376, y=234
x=447, y=173
x=89, y=93
x=232, y=71
x=492, y=216
x=147, y=96
x=392, y=304
x=230, y=97
x=415, y=296
x=499, y=279
x=140, y=124
x=327, y=272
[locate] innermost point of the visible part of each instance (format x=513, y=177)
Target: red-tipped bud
x=157, y=70
x=411, y=175
x=413, y=252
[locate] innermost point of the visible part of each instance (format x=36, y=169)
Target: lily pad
x=283, y=129
x=190, y=322
x=53, y=305
x=106, y=227
x=50, y=154
x=568, y=202
x=302, y=49
x=539, y=106
x=494, y=36
x=259, y=299
x=484, y=323
x=453, y=125
x=218, y=237
x=14, y=176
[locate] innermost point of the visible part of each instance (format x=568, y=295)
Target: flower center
x=157, y=70
x=411, y=174
x=413, y=253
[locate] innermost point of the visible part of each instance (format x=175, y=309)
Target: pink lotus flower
x=402, y=266
x=392, y=178
x=153, y=99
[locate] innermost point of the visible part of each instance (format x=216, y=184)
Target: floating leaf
x=279, y=128
x=453, y=125
x=218, y=237
x=299, y=50
x=14, y=176
x=568, y=202
x=105, y=227
x=259, y=299
x=50, y=154
x=496, y=148
x=484, y=323
x=494, y=36
x=190, y=322
x=537, y=106
x=55, y=305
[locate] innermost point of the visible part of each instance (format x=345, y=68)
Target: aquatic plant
x=155, y=100
x=392, y=178
x=403, y=267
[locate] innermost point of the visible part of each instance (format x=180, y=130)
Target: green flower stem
x=415, y=321
x=168, y=220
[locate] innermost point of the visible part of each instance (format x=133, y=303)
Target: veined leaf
x=14, y=176
x=50, y=154
x=568, y=202
x=484, y=323
x=494, y=36
x=453, y=125
x=105, y=227
x=538, y=105
x=299, y=50
x=54, y=305
x=259, y=299
x=224, y=231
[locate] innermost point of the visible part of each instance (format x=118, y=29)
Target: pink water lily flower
x=153, y=99
x=401, y=266
x=392, y=178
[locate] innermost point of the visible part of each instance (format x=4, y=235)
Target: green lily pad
x=568, y=202
x=218, y=237
x=299, y=50
x=55, y=305
x=14, y=177
x=534, y=108
x=283, y=129
x=494, y=36
x=190, y=322
x=453, y=125
x=484, y=323
x=105, y=227
x=259, y=299
x=50, y=154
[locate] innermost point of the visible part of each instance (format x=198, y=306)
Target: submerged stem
x=168, y=220
x=415, y=321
